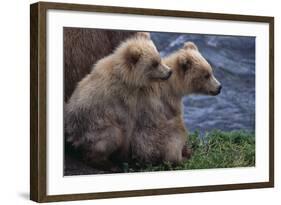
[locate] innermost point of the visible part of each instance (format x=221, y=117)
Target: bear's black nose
x=219, y=88
x=169, y=74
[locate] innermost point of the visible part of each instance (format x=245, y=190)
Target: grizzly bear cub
x=101, y=113
x=160, y=134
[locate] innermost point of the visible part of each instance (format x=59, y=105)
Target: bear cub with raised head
x=101, y=113
x=160, y=134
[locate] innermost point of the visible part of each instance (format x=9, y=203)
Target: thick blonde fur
x=101, y=113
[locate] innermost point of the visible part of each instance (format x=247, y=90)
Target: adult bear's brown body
x=83, y=47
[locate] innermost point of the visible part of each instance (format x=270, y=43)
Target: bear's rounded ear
x=144, y=35
x=184, y=63
x=133, y=54
x=190, y=45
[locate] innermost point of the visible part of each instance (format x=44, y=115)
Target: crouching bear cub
x=160, y=134
x=100, y=115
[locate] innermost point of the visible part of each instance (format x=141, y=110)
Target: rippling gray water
x=233, y=61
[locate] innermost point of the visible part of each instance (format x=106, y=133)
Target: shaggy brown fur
x=101, y=113
x=160, y=134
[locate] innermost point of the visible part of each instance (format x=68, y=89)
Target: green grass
x=216, y=149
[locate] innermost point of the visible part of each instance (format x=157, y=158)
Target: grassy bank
x=216, y=149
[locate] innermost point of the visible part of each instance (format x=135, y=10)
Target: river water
x=233, y=61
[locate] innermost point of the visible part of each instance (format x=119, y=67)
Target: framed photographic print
x=134, y=102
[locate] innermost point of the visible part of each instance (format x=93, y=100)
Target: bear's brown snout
x=168, y=75
x=162, y=72
x=217, y=91
x=214, y=86
x=166, y=71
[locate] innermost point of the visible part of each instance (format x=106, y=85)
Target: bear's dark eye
x=155, y=64
x=207, y=76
